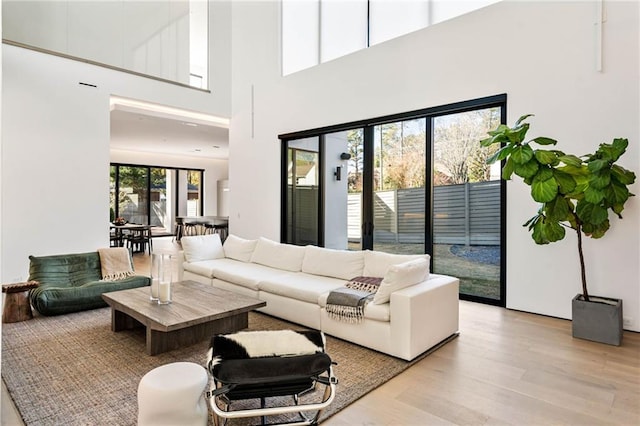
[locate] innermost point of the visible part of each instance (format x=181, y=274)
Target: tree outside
x=400, y=151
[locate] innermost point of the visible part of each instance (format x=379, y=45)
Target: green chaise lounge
x=73, y=282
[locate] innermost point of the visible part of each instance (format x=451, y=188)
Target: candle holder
x=161, y=278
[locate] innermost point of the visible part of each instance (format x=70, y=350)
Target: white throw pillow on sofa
x=277, y=255
x=376, y=263
x=401, y=276
x=343, y=264
x=202, y=247
x=238, y=248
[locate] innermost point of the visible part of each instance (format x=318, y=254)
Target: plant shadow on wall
x=577, y=193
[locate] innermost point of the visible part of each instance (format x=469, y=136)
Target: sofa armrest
x=424, y=314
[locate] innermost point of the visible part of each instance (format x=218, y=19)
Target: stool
x=190, y=228
x=16, y=303
x=222, y=230
x=173, y=394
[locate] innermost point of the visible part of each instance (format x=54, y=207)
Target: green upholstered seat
x=72, y=282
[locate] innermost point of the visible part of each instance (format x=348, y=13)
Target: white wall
x=335, y=192
x=147, y=37
x=542, y=54
x=55, y=145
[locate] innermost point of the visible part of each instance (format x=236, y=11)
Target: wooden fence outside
x=463, y=214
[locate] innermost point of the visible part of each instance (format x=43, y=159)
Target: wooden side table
x=16, y=303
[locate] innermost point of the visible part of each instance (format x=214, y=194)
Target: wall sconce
x=338, y=173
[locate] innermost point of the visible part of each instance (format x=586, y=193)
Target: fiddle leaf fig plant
x=574, y=192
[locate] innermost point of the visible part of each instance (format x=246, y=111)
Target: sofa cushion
x=238, y=248
x=301, y=286
x=246, y=274
x=376, y=263
x=277, y=255
x=203, y=267
x=342, y=264
x=401, y=276
x=202, y=247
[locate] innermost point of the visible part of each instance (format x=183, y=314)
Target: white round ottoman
x=172, y=394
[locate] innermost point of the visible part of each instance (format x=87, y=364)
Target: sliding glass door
x=303, y=196
x=154, y=196
x=467, y=202
x=399, y=178
x=413, y=183
x=133, y=198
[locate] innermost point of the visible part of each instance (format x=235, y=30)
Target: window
x=154, y=196
x=317, y=31
x=415, y=182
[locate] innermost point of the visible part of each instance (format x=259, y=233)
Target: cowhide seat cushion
x=267, y=363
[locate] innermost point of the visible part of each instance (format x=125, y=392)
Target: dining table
x=121, y=232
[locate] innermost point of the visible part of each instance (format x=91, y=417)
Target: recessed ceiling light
x=216, y=146
x=197, y=150
x=186, y=123
x=134, y=105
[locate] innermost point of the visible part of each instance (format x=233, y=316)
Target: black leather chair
x=258, y=365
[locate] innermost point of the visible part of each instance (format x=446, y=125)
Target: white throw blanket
x=115, y=263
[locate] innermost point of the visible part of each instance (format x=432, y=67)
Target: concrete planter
x=599, y=320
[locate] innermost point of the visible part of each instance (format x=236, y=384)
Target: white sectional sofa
x=411, y=312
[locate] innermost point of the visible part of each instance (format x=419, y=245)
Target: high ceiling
x=173, y=135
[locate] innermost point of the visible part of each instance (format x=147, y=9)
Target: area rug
x=73, y=370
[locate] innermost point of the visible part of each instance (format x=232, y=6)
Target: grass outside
x=477, y=267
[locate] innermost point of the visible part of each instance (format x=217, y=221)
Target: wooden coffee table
x=197, y=312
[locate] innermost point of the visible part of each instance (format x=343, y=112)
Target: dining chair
x=139, y=239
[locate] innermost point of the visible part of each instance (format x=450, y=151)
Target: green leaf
x=575, y=170
x=525, y=170
x=507, y=170
x=499, y=138
x=522, y=154
x=498, y=130
x=593, y=195
x=622, y=175
x=617, y=209
x=544, y=191
x=546, y=157
x=544, y=173
x=541, y=140
x=501, y=154
x=532, y=221
x=553, y=231
x=566, y=182
x=596, y=230
x=619, y=146
x=600, y=179
x=538, y=234
x=616, y=193
x=589, y=213
x=522, y=118
x=605, y=152
x=517, y=134
x=570, y=160
x=597, y=165
x=557, y=209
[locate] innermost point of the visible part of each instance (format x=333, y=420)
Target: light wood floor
x=506, y=367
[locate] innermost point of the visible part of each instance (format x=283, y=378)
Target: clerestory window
x=317, y=31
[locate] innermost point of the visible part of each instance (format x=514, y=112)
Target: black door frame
x=367, y=194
